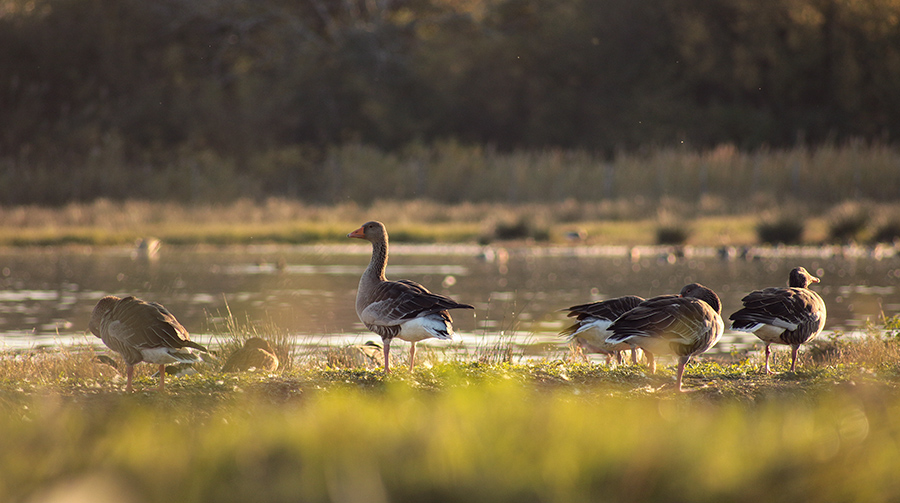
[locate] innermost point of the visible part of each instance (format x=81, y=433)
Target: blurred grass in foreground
x=460, y=431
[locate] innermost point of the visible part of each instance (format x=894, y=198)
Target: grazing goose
x=255, y=354
x=791, y=315
x=142, y=332
x=591, y=328
x=403, y=309
x=685, y=325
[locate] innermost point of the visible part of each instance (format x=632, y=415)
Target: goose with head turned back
x=590, y=331
x=400, y=309
x=792, y=315
x=684, y=325
x=142, y=331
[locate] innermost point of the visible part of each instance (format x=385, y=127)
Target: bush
x=672, y=234
x=784, y=230
x=847, y=223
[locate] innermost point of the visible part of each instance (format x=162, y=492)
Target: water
x=46, y=295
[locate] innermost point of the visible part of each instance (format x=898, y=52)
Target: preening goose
x=792, y=315
x=400, y=309
x=142, y=332
x=684, y=325
x=590, y=331
x=255, y=354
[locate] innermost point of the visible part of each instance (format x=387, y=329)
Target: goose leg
x=386, y=343
x=768, y=370
x=412, y=355
x=129, y=375
x=680, y=373
x=162, y=378
x=650, y=361
x=634, y=355
x=794, y=350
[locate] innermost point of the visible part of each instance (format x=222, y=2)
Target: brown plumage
x=142, y=331
x=590, y=331
x=256, y=353
x=683, y=325
x=792, y=315
x=400, y=309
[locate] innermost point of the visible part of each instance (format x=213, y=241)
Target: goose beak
x=358, y=233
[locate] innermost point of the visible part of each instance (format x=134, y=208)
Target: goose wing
x=139, y=324
x=677, y=320
x=393, y=302
x=787, y=308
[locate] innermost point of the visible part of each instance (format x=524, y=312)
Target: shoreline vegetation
x=455, y=193
x=281, y=221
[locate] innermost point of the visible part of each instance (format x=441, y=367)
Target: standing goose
x=403, y=309
x=685, y=325
x=791, y=315
x=590, y=331
x=142, y=332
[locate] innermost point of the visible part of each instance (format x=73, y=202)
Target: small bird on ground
x=792, y=315
x=142, y=331
x=255, y=354
x=400, y=309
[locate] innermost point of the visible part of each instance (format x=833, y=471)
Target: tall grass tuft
x=233, y=333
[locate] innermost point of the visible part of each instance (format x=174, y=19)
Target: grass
x=468, y=430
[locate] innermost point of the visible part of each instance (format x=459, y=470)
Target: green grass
x=459, y=430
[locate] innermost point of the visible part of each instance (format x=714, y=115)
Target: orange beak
x=358, y=233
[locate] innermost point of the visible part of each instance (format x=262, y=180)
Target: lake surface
x=308, y=292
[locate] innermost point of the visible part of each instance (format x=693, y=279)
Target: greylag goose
x=400, y=309
x=255, y=354
x=591, y=328
x=142, y=332
x=685, y=325
x=791, y=315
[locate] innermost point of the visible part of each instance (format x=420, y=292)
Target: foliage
x=785, y=229
x=216, y=99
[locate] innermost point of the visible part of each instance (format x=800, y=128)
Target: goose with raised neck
x=400, y=309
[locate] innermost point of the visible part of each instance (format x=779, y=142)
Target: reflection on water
x=46, y=295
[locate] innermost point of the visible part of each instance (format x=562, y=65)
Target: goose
x=142, y=331
x=792, y=315
x=400, y=309
x=591, y=328
x=255, y=354
x=685, y=325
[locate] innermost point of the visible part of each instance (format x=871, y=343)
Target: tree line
x=113, y=90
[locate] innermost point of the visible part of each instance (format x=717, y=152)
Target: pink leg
x=651, y=361
x=162, y=378
x=412, y=355
x=768, y=370
x=680, y=373
x=387, y=355
x=794, y=349
x=129, y=375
